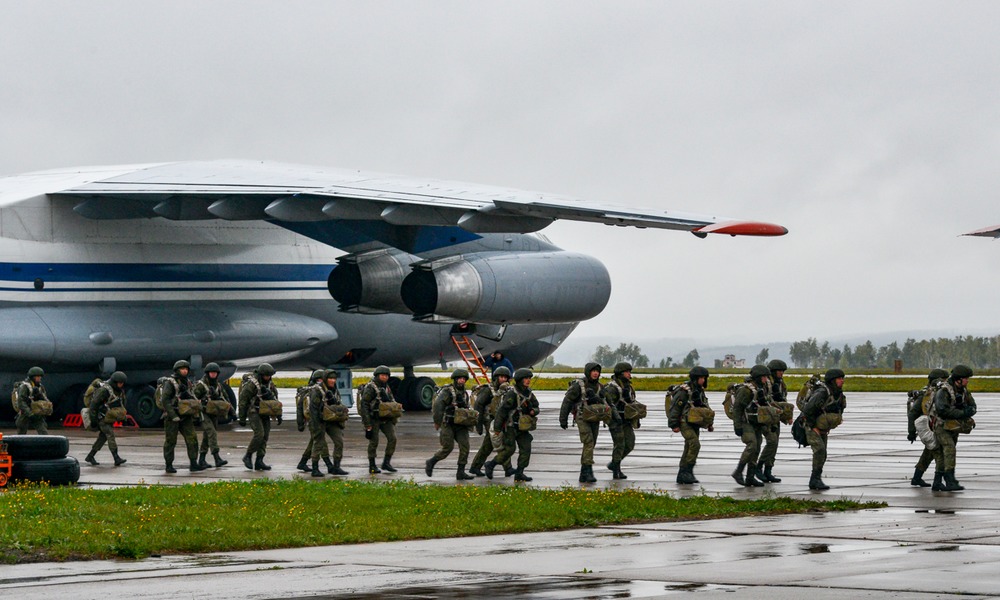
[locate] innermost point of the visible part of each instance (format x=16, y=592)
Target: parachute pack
x=88, y=396
x=730, y=399
x=158, y=394
x=807, y=389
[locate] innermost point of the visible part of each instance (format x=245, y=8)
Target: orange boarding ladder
x=473, y=358
x=6, y=464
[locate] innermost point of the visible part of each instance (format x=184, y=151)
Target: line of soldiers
x=938, y=413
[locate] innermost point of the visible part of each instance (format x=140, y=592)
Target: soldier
x=176, y=387
x=110, y=395
x=618, y=393
x=749, y=399
x=302, y=415
x=914, y=410
x=580, y=392
x=321, y=396
x=823, y=411
x=450, y=397
x=209, y=389
x=685, y=397
x=954, y=408
x=31, y=391
x=256, y=388
x=374, y=393
x=779, y=393
x=516, y=416
x=485, y=399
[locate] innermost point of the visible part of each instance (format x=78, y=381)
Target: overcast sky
x=870, y=130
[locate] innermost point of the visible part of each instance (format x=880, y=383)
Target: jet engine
x=508, y=287
x=369, y=282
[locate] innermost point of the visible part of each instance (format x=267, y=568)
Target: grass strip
x=44, y=523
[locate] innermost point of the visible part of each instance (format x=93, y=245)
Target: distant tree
x=865, y=355
x=624, y=352
x=691, y=359
x=762, y=356
x=718, y=363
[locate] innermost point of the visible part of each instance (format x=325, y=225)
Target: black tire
x=140, y=404
x=56, y=471
x=231, y=395
x=421, y=393
x=395, y=384
x=36, y=447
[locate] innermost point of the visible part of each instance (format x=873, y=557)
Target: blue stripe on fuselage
x=413, y=239
x=161, y=272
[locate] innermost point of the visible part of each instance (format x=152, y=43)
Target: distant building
x=731, y=362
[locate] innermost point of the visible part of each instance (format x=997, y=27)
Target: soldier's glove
x=243, y=422
x=479, y=428
x=968, y=412
x=564, y=424
x=302, y=427
x=912, y=437
x=738, y=431
x=176, y=419
x=368, y=434
x=279, y=419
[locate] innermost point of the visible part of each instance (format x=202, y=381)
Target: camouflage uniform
x=107, y=396
x=825, y=398
x=954, y=403
x=779, y=393
x=617, y=394
x=252, y=392
x=581, y=391
x=914, y=410
x=302, y=416
x=176, y=387
x=206, y=389
x=27, y=393
x=372, y=394
x=449, y=398
x=482, y=401
x=516, y=400
x=682, y=400
x=748, y=399
x=321, y=395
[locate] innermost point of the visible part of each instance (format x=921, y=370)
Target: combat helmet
x=36, y=372
x=522, y=373
x=698, y=371
x=936, y=374
x=501, y=372
x=118, y=377
x=212, y=368
x=759, y=372
x=381, y=370
x=590, y=367
x=265, y=370
x=961, y=372
x=459, y=374
x=777, y=365
x=317, y=374
x=330, y=374
x=622, y=367
x=833, y=374
x=181, y=364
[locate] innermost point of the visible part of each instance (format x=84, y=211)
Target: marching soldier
x=779, y=393
x=746, y=406
x=685, y=397
x=209, y=389
x=256, y=388
x=914, y=410
x=326, y=395
x=175, y=388
x=450, y=398
x=110, y=395
x=954, y=408
x=374, y=393
x=485, y=399
x=302, y=416
x=32, y=392
x=516, y=416
x=619, y=392
x=823, y=411
x=586, y=391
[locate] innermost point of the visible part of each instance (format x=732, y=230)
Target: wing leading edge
x=990, y=232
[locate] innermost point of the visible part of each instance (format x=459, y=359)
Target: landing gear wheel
x=421, y=393
x=56, y=471
x=36, y=447
x=140, y=404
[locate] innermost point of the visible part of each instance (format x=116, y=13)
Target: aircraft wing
x=992, y=232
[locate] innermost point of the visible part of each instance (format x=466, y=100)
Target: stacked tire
x=42, y=458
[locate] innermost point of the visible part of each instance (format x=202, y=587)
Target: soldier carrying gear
x=173, y=390
x=257, y=387
x=582, y=393
x=325, y=413
x=109, y=396
x=914, y=410
x=779, y=394
x=685, y=397
x=371, y=395
x=486, y=399
x=952, y=413
x=302, y=415
x=747, y=422
x=32, y=403
x=823, y=411
x=212, y=394
x=618, y=393
x=516, y=416
x=449, y=399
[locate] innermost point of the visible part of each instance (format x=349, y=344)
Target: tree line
x=976, y=352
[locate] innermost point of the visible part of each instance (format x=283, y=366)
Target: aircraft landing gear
x=414, y=393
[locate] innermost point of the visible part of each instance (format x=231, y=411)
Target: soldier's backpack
x=88, y=396
x=730, y=399
x=799, y=430
x=158, y=394
x=301, y=411
x=807, y=389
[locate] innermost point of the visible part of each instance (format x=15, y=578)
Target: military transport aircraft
x=993, y=232
x=133, y=267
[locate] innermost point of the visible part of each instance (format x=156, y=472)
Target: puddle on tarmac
x=944, y=549
x=548, y=588
x=815, y=548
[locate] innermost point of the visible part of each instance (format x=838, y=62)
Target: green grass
x=43, y=523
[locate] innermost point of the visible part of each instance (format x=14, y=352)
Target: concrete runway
x=924, y=545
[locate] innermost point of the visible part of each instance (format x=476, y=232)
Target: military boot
x=119, y=461
x=690, y=474
x=918, y=479
x=90, y=459
x=386, y=466
x=616, y=471
x=751, y=479
x=461, y=475
x=195, y=466
x=587, y=474
x=219, y=461
x=202, y=462
x=682, y=475
x=951, y=484
x=248, y=461
x=328, y=463
x=738, y=473
x=336, y=468
x=259, y=465
x=508, y=470
x=170, y=467
x=488, y=467
x=315, y=469
x=520, y=476
x=477, y=471
x=938, y=485
x=768, y=477
x=429, y=466
x=816, y=481
x=303, y=464
x=372, y=469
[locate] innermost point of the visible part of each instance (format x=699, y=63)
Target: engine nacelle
x=370, y=282
x=509, y=287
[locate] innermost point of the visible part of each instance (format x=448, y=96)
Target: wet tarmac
x=925, y=544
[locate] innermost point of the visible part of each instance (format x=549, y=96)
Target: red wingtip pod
x=992, y=232
x=743, y=228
